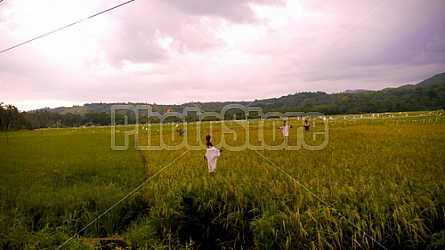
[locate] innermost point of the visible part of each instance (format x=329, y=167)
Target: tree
x=9, y=115
x=1, y=115
x=8, y=118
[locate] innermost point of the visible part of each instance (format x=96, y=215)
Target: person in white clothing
x=211, y=155
x=285, y=129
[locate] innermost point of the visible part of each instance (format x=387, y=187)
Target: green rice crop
x=377, y=182
x=55, y=182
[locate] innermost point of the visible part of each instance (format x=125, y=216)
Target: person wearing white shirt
x=211, y=155
x=285, y=129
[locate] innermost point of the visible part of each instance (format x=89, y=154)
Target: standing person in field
x=306, y=125
x=181, y=131
x=285, y=129
x=211, y=155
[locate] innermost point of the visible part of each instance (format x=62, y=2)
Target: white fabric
x=285, y=130
x=212, y=155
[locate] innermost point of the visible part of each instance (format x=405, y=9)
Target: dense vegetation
x=379, y=180
x=427, y=95
x=381, y=176
x=54, y=182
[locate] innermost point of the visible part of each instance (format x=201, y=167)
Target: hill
x=426, y=95
x=437, y=79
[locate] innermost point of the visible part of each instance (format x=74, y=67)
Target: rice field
x=55, y=182
x=376, y=184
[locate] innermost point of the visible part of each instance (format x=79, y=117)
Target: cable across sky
x=64, y=27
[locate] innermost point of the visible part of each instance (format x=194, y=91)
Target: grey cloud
x=139, y=24
x=140, y=27
x=392, y=37
x=416, y=32
x=402, y=42
x=196, y=35
x=237, y=11
x=134, y=41
x=134, y=34
x=136, y=47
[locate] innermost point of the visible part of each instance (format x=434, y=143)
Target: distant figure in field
x=306, y=125
x=181, y=131
x=211, y=155
x=285, y=129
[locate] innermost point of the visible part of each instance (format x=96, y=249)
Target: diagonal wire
x=321, y=50
x=64, y=27
x=321, y=200
x=99, y=13
x=125, y=197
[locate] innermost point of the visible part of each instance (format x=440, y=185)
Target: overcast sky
x=176, y=51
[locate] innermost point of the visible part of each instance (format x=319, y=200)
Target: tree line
x=427, y=95
x=12, y=119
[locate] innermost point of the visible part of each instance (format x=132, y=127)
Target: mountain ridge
x=383, y=100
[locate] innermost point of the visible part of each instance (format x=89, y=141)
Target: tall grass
x=375, y=183
x=55, y=182
x=379, y=180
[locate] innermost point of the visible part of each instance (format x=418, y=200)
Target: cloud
x=146, y=32
x=237, y=11
x=178, y=51
x=391, y=37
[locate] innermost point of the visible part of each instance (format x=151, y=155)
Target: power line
x=66, y=26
